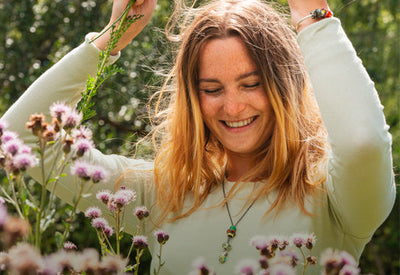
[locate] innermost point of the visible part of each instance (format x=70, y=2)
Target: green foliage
x=37, y=33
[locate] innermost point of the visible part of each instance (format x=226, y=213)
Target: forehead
x=225, y=55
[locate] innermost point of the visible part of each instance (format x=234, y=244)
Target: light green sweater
x=360, y=188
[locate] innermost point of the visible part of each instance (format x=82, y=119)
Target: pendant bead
x=227, y=246
x=222, y=259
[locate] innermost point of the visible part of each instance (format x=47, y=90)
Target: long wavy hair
x=190, y=159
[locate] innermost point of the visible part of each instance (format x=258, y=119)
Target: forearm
x=301, y=8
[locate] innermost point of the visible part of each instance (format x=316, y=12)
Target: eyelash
x=246, y=86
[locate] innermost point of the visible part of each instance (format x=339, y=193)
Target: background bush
x=35, y=34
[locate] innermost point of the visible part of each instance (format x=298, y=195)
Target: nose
x=234, y=102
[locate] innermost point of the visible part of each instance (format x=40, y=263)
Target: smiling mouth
x=238, y=124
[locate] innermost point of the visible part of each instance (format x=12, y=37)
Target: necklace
x=231, y=232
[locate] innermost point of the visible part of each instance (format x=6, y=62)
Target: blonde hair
x=190, y=159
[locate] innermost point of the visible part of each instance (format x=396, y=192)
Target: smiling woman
x=266, y=132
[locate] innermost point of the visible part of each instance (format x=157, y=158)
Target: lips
x=238, y=124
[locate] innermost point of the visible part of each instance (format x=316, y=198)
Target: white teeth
x=238, y=124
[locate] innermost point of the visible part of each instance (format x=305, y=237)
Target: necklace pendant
x=222, y=258
x=231, y=232
x=227, y=247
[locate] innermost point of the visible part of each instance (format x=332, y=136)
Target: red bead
x=328, y=14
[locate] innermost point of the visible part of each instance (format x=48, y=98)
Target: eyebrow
x=237, y=79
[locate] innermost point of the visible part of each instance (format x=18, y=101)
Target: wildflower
x=4, y=261
x=263, y=261
x=299, y=239
x=331, y=260
x=281, y=269
x=347, y=259
x=123, y=197
x=140, y=242
x=200, y=267
x=111, y=205
x=112, y=264
x=82, y=146
x=99, y=223
x=349, y=270
x=104, y=196
x=14, y=229
x=108, y=230
x=81, y=169
x=246, y=267
x=88, y=261
x=12, y=146
x=141, y=212
x=25, y=259
x=98, y=174
x=162, y=237
x=56, y=125
x=93, y=212
x=49, y=134
x=263, y=245
x=7, y=136
x=71, y=119
x=3, y=215
x=274, y=242
x=36, y=123
x=283, y=244
x=310, y=241
x=68, y=145
x=61, y=262
x=58, y=109
x=311, y=259
x=24, y=161
x=288, y=257
x=82, y=133
x=69, y=246
x=24, y=149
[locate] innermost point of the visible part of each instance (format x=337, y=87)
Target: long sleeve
x=64, y=82
x=360, y=181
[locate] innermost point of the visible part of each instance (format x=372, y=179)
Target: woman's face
x=233, y=102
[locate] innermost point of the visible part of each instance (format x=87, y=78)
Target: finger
x=138, y=2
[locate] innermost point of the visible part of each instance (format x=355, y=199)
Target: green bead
x=222, y=259
x=233, y=228
x=226, y=246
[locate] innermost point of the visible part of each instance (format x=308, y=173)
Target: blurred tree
x=34, y=34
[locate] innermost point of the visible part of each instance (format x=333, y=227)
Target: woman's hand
x=140, y=7
x=301, y=8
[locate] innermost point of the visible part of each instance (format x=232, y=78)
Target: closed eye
x=213, y=91
x=252, y=85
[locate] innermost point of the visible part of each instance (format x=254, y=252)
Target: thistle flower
x=12, y=146
x=37, y=123
x=88, y=261
x=69, y=246
x=287, y=257
x=108, y=230
x=67, y=145
x=24, y=161
x=281, y=269
x=162, y=236
x=98, y=174
x=139, y=242
x=93, y=212
x=246, y=267
x=81, y=169
x=71, y=119
x=333, y=261
x=104, y=196
x=81, y=133
x=263, y=261
x=200, y=267
x=141, y=212
x=99, y=223
x=311, y=259
x=263, y=245
x=112, y=264
x=123, y=197
x=82, y=146
x=349, y=270
x=7, y=136
x=298, y=239
x=49, y=133
x=310, y=241
x=14, y=229
x=25, y=259
x=58, y=109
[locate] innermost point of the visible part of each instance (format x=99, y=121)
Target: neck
x=238, y=166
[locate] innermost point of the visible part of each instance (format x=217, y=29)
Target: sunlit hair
x=190, y=160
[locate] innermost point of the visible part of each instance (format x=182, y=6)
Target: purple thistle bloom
x=7, y=136
x=71, y=119
x=99, y=223
x=108, y=231
x=347, y=259
x=310, y=241
x=104, y=196
x=81, y=169
x=82, y=146
x=69, y=246
x=349, y=270
x=112, y=206
x=58, y=109
x=140, y=242
x=120, y=200
x=82, y=133
x=246, y=267
x=25, y=149
x=124, y=196
x=141, y=212
x=291, y=257
x=299, y=239
x=281, y=269
x=200, y=267
x=98, y=174
x=24, y=161
x=93, y=212
x=259, y=242
x=12, y=146
x=162, y=236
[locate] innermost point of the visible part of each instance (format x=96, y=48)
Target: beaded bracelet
x=316, y=14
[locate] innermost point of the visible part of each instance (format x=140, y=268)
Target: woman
x=243, y=145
